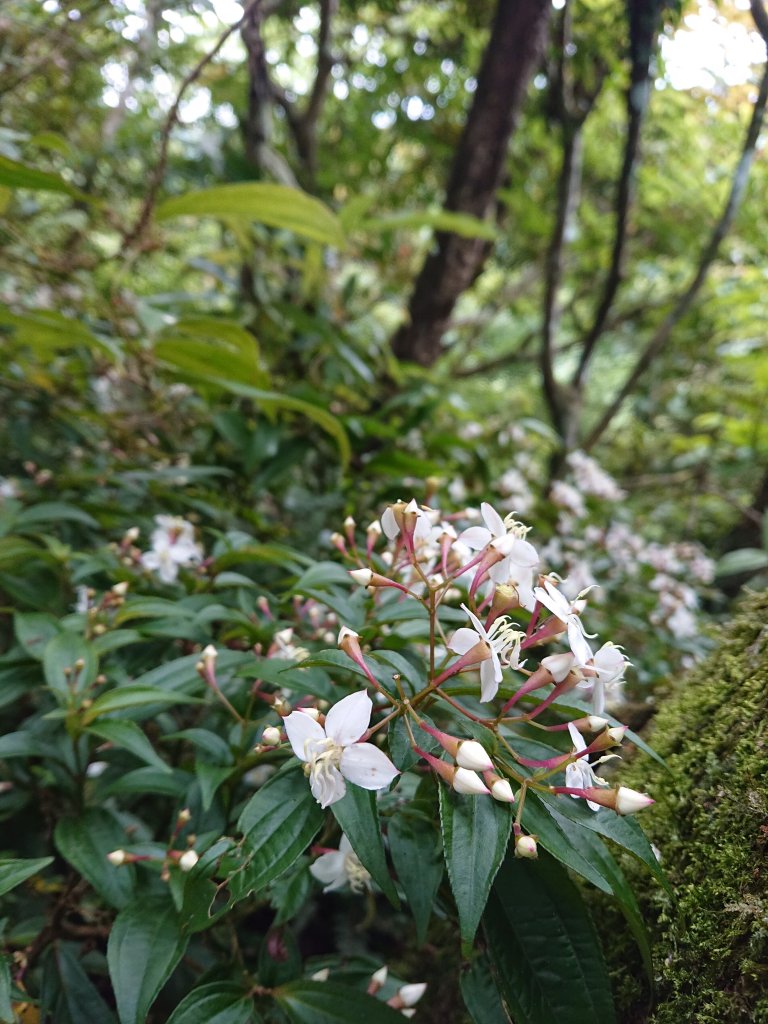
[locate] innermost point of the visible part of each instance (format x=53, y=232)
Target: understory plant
x=240, y=784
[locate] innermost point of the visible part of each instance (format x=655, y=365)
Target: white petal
x=524, y=554
x=476, y=537
x=423, y=528
x=327, y=786
x=389, y=523
x=598, y=697
x=347, y=720
x=576, y=738
x=475, y=622
x=499, y=572
x=367, y=766
x=577, y=643
x=553, y=601
x=302, y=730
x=493, y=520
x=329, y=869
x=489, y=684
x=464, y=640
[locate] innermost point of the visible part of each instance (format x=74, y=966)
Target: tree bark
x=516, y=42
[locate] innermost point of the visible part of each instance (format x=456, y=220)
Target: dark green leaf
x=6, y=1010
x=79, y=995
x=14, y=872
x=475, y=835
x=279, y=822
x=417, y=855
x=220, y=1002
x=135, y=697
x=544, y=947
x=85, y=842
x=358, y=817
x=59, y=657
x=481, y=994
x=128, y=736
x=145, y=945
x=556, y=840
x=312, y=1002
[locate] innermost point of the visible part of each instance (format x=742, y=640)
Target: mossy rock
x=710, y=825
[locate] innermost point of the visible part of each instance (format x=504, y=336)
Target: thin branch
x=638, y=96
x=685, y=301
x=131, y=236
x=262, y=93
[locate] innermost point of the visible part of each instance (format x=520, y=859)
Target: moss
x=710, y=824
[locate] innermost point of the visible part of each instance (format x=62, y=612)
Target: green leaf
x=149, y=780
x=743, y=560
x=316, y=413
x=624, y=831
x=45, y=331
x=210, y=777
x=130, y=737
x=277, y=206
x=278, y=823
x=14, y=872
x=79, y=995
x=555, y=837
x=219, y=1002
x=414, y=843
x=59, y=657
x=313, y=1002
x=481, y=994
x=17, y=551
x=204, y=347
x=144, y=946
x=475, y=835
x=358, y=818
x=52, y=512
x=22, y=744
x=593, y=849
x=6, y=1010
x=544, y=947
x=134, y=697
x=463, y=224
x=34, y=630
x=85, y=841
x=16, y=175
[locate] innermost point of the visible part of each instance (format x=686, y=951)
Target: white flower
x=610, y=665
x=568, y=613
x=580, y=774
x=503, y=640
x=173, y=546
x=333, y=754
x=339, y=868
x=520, y=557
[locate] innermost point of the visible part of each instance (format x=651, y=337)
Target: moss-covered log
x=710, y=825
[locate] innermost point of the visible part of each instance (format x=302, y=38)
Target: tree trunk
x=516, y=42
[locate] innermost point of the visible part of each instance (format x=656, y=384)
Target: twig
x=131, y=236
x=638, y=96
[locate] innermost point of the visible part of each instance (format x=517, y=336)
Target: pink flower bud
x=526, y=846
x=473, y=755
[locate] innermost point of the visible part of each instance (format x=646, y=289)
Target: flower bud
x=526, y=846
x=184, y=816
x=559, y=665
x=501, y=790
x=469, y=783
x=473, y=755
x=271, y=736
x=596, y=723
x=187, y=860
x=411, y=994
x=310, y=712
x=617, y=733
x=121, y=589
x=629, y=801
x=379, y=978
x=117, y=858
x=362, y=576
x=321, y=975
